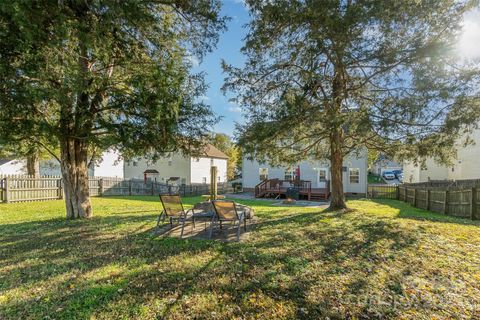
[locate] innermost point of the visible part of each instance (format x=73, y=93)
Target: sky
x=231, y=41
x=228, y=48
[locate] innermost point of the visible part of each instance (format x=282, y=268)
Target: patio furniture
x=173, y=209
x=227, y=211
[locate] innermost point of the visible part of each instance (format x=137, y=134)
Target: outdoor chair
x=227, y=211
x=174, y=211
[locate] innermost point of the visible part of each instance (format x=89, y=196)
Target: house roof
x=3, y=161
x=213, y=152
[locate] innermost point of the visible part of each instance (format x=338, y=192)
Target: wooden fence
x=20, y=188
x=454, y=200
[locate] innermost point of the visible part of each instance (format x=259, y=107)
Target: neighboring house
x=179, y=169
x=465, y=166
x=111, y=165
x=317, y=172
x=383, y=163
x=13, y=166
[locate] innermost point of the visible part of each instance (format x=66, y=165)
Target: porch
x=276, y=188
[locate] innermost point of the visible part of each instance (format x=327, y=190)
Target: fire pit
x=289, y=201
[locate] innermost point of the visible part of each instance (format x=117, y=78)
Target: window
x=135, y=163
x=354, y=174
x=169, y=162
x=289, y=174
x=211, y=163
x=263, y=172
x=322, y=174
x=218, y=178
x=184, y=181
x=204, y=180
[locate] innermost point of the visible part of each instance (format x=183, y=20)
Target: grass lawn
x=383, y=260
x=372, y=178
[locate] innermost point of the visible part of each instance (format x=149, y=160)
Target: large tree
x=100, y=74
x=325, y=79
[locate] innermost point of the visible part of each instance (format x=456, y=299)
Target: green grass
x=383, y=260
x=372, y=178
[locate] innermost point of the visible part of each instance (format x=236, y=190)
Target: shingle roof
x=212, y=152
x=3, y=161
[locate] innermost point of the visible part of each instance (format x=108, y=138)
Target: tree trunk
x=337, y=201
x=75, y=178
x=33, y=165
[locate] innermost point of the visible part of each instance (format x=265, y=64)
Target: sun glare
x=469, y=44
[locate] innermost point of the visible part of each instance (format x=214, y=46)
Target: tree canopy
x=98, y=74
x=224, y=143
x=326, y=79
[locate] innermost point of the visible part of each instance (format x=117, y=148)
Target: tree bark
x=75, y=178
x=337, y=201
x=33, y=165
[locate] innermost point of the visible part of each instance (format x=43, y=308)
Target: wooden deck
x=276, y=188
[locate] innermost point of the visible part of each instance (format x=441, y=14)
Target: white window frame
x=263, y=172
x=351, y=175
x=325, y=170
x=289, y=172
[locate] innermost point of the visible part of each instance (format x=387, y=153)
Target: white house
x=110, y=165
x=383, y=163
x=465, y=166
x=179, y=169
x=12, y=166
x=355, y=169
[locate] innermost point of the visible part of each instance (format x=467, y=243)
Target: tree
x=224, y=143
x=100, y=74
x=326, y=79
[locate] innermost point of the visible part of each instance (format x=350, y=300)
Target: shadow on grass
x=286, y=259
x=406, y=211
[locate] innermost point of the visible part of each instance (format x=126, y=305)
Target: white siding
x=111, y=165
x=432, y=171
x=200, y=169
x=14, y=167
x=309, y=170
x=175, y=165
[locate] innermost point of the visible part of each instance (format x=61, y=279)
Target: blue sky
x=231, y=41
x=228, y=48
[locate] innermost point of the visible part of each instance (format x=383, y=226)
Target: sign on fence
x=21, y=188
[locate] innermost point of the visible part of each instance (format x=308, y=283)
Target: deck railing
x=277, y=185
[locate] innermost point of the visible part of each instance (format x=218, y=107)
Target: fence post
x=7, y=195
x=414, y=197
x=60, y=191
x=100, y=187
x=428, y=199
x=397, y=192
x=445, y=204
x=153, y=186
x=473, y=204
x=130, y=187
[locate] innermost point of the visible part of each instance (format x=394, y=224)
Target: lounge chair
x=227, y=211
x=174, y=211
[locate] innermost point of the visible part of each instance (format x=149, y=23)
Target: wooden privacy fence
x=453, y=200
x=19, y=188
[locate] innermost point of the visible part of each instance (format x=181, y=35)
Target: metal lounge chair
x=226, y=211
x=174, y=211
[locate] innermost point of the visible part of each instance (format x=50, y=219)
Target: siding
x=201, y=169
x=14, y=167
x=308, y=171
x=178, y=167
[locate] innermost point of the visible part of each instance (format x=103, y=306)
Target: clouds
x=235, y=109
x=469, y=42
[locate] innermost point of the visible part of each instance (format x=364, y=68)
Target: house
x=110, y=165
x=176, y=168
x=315, y=174
x=383, y=163
x=12, y=166
x=465, y=165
